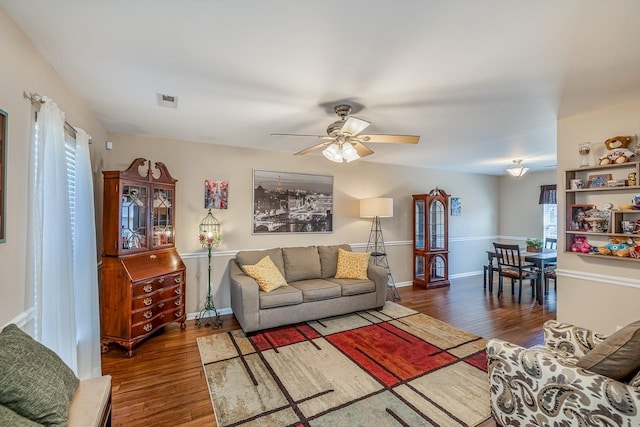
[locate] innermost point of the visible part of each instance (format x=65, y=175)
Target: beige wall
x=596, y=293
x=520, y=213
x=192, y=163
x=24, y=69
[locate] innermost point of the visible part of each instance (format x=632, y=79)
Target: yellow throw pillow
x=266, y=274
x=352, y=265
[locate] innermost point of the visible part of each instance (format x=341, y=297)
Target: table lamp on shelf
x=209, y=237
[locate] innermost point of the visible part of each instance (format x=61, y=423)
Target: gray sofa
x=313, y=291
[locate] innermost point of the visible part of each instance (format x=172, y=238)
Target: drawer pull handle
x=147, y=327
x=179, y=313
x=161, y=305
x=153, y=256
x=148, y=314
x=178, y=302
x=148, y=301
x=161, y=280
x=178, y=280
x=178, y=291
x=148, y=288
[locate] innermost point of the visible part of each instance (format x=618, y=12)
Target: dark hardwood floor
x=163, y=383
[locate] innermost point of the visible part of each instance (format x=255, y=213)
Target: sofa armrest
x=570, y=338
x=539, y=386
x=245, y=298
x=379, y=277
x=91, y=404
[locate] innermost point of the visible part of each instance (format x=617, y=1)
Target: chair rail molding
x=602, y=278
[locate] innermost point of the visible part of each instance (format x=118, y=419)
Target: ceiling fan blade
x=392, y=139
x=354, y=125
x=361, y=149
x=315, y=147
x=298, y=134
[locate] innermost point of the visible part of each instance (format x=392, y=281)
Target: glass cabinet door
x=162, y=217
x=133, y=217
x=419, y=225
x=436, y=225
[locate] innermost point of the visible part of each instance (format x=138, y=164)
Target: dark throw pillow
x=34, y=382
x=617, y=356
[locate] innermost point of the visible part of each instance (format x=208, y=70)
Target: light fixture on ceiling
x=341, y=152
x=517, y=170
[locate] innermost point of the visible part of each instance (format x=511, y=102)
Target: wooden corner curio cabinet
x=430, y=239
x=142, y=278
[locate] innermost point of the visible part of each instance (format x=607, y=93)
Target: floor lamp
x=209, y=238
x=376, y=208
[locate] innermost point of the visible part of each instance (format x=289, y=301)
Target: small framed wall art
x=216, y=194
x=456, y=206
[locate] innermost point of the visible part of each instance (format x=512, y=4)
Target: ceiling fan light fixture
x=333, y=153
x=517, y=170
x=349, y=153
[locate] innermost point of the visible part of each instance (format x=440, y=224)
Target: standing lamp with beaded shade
x=209, y=236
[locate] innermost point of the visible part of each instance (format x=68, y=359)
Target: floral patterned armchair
x=541, y=386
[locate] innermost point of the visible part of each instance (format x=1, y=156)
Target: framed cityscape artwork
x=287, y=202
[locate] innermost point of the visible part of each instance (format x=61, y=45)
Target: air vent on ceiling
x=169, y=101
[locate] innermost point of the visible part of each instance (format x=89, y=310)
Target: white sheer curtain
x=85, y=268
x=62, y=281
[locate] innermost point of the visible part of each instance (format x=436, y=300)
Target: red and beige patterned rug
x=371, y=368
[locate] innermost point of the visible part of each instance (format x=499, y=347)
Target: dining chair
x=550, y=270
x=510, y=264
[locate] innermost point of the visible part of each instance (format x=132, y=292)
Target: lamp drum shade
x=381, y=207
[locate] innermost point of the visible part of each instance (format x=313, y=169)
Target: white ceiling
x=482, y=82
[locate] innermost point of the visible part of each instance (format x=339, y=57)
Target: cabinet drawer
x=148, y=287
x=147, y=327
x=148, y=301
x=148, y=313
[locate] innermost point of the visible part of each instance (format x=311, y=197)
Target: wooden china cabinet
x=143, y=278
x=430, y=239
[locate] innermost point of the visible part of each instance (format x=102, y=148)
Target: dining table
x=539, y=259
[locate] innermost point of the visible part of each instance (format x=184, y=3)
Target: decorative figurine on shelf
x=584, y=148
x=617, y=150
x=209, y=238
x=631, y=179
x=616, y=247
x=580, y=244
x=634, y=247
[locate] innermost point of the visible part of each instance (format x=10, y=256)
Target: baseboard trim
x=23, y=319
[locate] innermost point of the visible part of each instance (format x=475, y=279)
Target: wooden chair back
x=508, y=256
x=550, y=243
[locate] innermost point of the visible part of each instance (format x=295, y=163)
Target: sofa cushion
x=301, y=263
x=252, y=257
x=10, y=418
x=352, y=265
x=34, y=381
x=266, y=274
x=317, y=289
x=617, y=356
x=354, y=286
x=287, y=295
x=329, y=259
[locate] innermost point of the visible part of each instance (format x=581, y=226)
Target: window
x=550, y=221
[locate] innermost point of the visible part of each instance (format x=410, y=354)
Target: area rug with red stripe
x=389, y=367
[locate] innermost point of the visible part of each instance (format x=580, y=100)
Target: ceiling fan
x=344, y=143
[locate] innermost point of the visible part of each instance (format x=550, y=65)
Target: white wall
x=24, y=69
x=595, y=293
